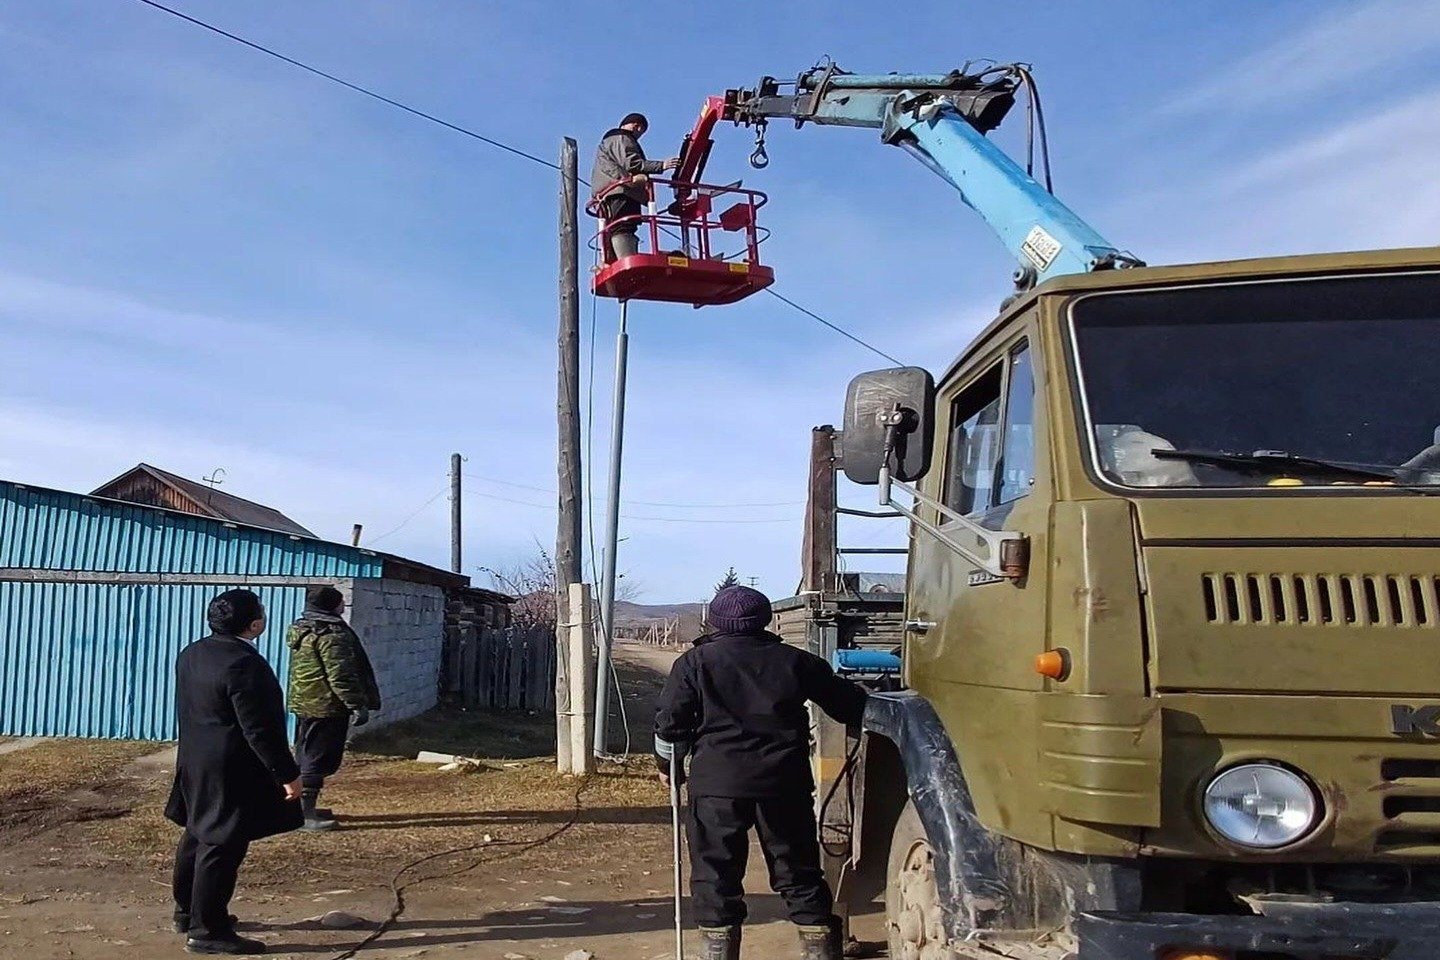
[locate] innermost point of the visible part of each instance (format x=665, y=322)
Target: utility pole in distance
x=456, y=563
x=571, y=692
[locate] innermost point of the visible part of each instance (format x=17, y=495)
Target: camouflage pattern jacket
x=330, y=675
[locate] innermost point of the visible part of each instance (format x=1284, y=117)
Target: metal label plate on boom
x=1040, y=248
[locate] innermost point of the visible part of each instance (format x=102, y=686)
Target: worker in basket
x=618, y=182
x=735, y=703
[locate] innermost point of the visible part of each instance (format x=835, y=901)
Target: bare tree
x=532, y=581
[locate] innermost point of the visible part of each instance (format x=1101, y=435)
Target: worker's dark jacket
x=737, y=702
x=619, y=158
x=234, y=756
x=330, y=673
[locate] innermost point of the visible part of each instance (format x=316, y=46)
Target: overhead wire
x=418, y=510
x=632, y=516
x=349, y=85
x=457, y=128
x=736, y=504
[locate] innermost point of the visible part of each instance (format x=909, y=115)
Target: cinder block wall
x=403, y=628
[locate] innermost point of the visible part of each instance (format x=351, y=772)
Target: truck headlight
x=1261, y=805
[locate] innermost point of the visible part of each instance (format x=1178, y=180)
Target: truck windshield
x=1282, y=384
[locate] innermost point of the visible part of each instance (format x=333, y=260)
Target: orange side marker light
x=1054, y=664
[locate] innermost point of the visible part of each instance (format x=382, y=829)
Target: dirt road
x=523, y=863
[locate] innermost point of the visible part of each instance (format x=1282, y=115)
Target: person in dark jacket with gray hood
x=235, y=780
x=618, y=182
x=735, y=703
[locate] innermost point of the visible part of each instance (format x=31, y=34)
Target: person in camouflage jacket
x=330, y=679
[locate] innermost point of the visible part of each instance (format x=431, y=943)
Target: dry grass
x=395, y=811
x=61, y=780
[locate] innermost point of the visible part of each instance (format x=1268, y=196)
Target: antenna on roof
x=217, y=477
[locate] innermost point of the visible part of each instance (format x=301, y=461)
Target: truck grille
x=1366, y=600
x=1411, y=807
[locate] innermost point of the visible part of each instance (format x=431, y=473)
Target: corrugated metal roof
x=207, y=501
x=55, y=530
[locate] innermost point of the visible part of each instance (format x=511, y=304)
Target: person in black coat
x=235, y=780
x=735, y=703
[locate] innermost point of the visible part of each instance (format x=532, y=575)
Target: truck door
x=973, y=637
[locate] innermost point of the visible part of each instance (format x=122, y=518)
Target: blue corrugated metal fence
x=98, y=660
x=82, y=657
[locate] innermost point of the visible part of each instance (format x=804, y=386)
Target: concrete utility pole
x=612, y=534
x=456, y=563
x=571, y=691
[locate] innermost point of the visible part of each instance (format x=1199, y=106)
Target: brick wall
x=403, y=627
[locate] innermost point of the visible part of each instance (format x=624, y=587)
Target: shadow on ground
x=542, y=921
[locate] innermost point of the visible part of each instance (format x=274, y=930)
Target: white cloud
x=1349, y=56
x=1359, y=183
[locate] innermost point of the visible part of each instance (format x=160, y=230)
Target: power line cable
x=632, y=516
x=653, y=503
x=466, y=131
x=838, y=329
x=351, y=86
x=406, y=521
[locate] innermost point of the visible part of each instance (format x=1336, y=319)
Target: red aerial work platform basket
x=686, y=261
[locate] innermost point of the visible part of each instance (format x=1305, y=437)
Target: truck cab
x=1195, y=712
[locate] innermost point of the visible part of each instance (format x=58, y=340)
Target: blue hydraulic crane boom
x=941, y=120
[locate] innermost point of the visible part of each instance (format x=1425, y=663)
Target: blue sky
x=210, y=259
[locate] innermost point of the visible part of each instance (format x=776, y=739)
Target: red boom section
x=695, y=148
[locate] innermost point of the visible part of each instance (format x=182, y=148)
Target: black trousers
x=203, y=884
x=319, y=748
x=719, y=832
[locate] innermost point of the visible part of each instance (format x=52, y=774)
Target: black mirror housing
x=870, y=404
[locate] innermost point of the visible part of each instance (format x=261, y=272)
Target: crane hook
x=759, y=159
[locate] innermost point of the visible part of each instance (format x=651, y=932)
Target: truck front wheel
x=913, y=919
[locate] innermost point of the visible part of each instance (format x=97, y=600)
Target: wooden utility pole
x=570, y=691
x=456, y=564
x=819, y=567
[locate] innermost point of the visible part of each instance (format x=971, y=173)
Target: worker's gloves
x=362, y=717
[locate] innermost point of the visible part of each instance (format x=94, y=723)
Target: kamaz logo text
x=1406, y=720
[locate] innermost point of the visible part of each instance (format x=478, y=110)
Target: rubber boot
x=624, y=245
x=720, y=943
x=313, y=821
x=821, y=942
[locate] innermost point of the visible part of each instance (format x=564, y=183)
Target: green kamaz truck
x=1171, y=652
x=1172, y=615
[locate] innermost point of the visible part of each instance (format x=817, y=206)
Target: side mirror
x=870, y=405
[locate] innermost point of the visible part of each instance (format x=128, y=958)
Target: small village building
x=98, y=595
x=154, y=487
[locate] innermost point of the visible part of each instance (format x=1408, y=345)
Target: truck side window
x=974, y=447
x=1016, y=470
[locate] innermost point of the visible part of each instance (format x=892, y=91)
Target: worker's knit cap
x=740, y=610
x=324, y=599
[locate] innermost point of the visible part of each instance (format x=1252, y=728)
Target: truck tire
x=913, y=921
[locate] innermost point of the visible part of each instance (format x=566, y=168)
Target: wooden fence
x=509, y=668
